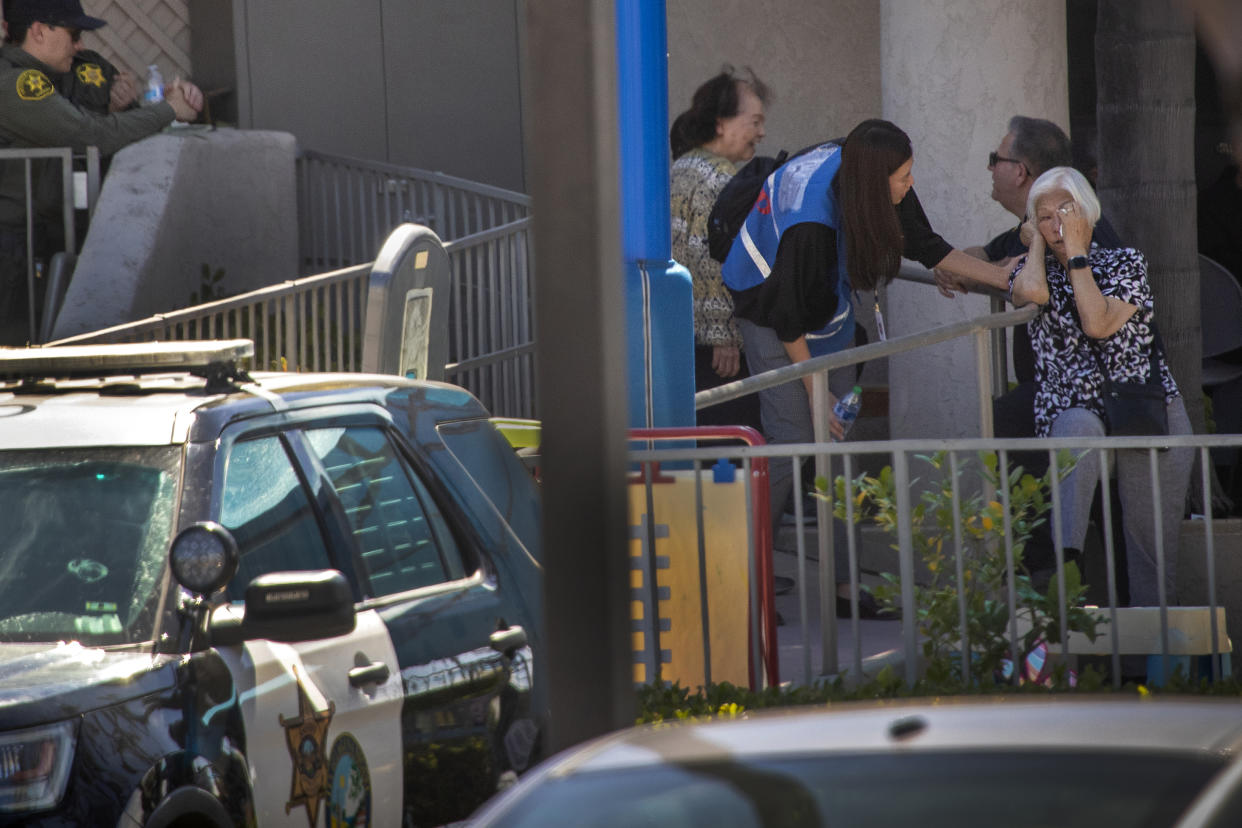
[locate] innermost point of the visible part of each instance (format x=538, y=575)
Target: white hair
x=1071, y=181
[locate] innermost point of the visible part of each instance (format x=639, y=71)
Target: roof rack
x=214, y=360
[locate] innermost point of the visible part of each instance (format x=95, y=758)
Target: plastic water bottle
x=847, y=408
x=154, y=92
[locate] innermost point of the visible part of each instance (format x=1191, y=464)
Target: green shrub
x=979, y=588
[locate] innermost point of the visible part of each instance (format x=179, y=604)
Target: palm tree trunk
x=1145, y=111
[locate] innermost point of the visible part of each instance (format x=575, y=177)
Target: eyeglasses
x=995, y=158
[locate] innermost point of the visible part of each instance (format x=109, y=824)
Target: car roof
x=961, y=724
x=153, y=393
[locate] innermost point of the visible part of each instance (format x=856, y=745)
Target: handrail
x=513, y=196
x=997, y=299
x=242, y=301
x=853, y=356
x=486, y=235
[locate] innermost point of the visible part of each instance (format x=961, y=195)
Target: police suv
x=234, y=599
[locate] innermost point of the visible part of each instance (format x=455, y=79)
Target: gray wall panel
x=454, y=101
x=316, y=69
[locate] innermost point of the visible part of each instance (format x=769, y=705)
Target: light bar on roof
x=121, y=359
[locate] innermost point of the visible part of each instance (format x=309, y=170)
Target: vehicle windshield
x=84, y=537
x=1033, y=789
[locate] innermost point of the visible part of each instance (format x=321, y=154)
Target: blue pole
x=659, y=303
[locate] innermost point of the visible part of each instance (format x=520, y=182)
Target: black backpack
x=734, y=202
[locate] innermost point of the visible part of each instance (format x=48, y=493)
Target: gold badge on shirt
x=33, y=85
x=90, y=74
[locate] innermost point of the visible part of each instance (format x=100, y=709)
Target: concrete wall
x=172, y=204
x=820, y=57
x=954, y=72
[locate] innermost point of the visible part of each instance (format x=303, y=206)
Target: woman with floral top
x=710, y=141
x=1096, y=315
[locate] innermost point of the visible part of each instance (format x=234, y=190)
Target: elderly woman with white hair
x=1096, y=324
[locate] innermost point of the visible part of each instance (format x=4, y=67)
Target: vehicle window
x=1035, y=789
x=491, y=462
x=266, y=506
x=404, y=539
x=86, y=534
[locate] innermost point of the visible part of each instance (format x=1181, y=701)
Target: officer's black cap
x=52, y=12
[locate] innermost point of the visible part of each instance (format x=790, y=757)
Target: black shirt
x=800, y=295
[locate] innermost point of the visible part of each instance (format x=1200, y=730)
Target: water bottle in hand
x=154, y=93
x=847, y=408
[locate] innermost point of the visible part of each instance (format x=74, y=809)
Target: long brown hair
x=873, y=239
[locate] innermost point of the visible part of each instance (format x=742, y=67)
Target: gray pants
x=1135, y=490
x=785, y=412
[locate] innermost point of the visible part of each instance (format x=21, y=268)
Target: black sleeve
x=923, y=244
x=1005, y=245
x=800, y=295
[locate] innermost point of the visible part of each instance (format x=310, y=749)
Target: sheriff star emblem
x=305, y=736
x=33, y=85
x=90, y=74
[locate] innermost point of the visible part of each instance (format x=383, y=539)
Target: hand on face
x=1062, y=225
x=1075, y=231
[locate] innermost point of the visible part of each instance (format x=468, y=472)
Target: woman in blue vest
x=792, y=279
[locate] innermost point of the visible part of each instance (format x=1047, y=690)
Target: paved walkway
x=798, y=635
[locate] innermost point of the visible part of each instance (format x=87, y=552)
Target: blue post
x=658, y=301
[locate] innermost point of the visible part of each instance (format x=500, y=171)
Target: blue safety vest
x=798, y=191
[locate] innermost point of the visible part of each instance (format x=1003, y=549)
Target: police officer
x=97, y=86
x=43, y=36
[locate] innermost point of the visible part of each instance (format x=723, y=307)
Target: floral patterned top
x=1067, y=374
x=697, y=179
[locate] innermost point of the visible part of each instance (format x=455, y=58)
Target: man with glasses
x=42, y=38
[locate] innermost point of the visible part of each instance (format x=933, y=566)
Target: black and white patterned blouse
x=1067, y=375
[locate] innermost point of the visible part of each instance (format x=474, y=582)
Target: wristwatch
x=1076, y=262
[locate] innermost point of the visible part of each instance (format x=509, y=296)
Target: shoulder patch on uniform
x=90, y=74
x=33, y=85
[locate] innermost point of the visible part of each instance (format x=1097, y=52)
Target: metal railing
x=807, y=665
x=491, y=322
x=78, y=191
x=348, y=206
x=310, y=324
x=316, y=323
x=983, y=330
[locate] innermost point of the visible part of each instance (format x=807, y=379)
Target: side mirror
x=204, y=557
x=288, y=607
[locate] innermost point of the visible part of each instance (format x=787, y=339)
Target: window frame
x=343, y=550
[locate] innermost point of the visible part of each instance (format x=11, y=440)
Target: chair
x=1220, y=301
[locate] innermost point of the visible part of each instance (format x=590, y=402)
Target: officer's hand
x=185, y=98
x=124, y=92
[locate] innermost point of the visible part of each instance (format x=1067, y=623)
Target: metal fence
x=310, y=324
x=47, y=270
x=1171, y=643
x=812, y=638
x=347, y=207
x=317, y=323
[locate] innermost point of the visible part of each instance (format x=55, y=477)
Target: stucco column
x=953, y=72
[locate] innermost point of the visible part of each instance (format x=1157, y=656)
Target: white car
x=1056, y=761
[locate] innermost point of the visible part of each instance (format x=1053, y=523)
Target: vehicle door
x=321, y=716
x=436, y=591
